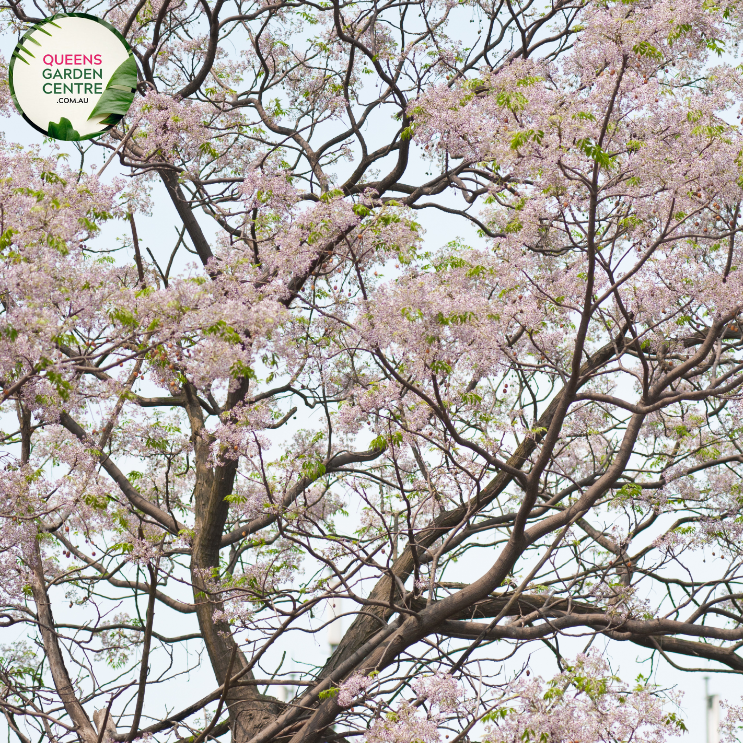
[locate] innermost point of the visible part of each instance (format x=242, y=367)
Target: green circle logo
x=73, y=76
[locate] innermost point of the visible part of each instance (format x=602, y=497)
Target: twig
x=511, y=601
x=104, y=722
x=121, y=144
x=145, y=654
x=227, y=680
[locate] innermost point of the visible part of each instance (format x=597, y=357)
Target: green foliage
x=118, y=96
x=361, y=211
x=224, y=331
x=602, y=158
x=673, y=720
x=6, y=238
x=629, y=491
x=440, y=367
x=63, y=130
x=497, y=714
x=124, y=317
x=313, y=469
x=519, y=139
x=646, y=49
x=512, y=100
x=455, y=318
x=239, y=369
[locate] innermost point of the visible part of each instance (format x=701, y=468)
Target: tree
x=327, y=406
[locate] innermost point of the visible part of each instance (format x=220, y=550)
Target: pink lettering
x=71, y=59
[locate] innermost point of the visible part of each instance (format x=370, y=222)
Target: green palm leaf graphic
x=63, y=130
x=119, y=93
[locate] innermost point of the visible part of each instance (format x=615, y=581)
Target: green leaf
x=23, y=49
x=646, y=49
x=112, y=119
x=119, y=93
x=113, y=101
x=603, y=158
x=521, y=138
x=125, y=75
x=63, y=130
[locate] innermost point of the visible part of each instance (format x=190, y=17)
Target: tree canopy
x=478, y=446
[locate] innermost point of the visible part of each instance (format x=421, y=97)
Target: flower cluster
x=585, y=703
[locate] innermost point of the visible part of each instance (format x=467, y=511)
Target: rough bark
x=57, y=666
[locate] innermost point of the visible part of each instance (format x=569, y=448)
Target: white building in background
x=335, y=629
x=713, y=714
x=335, y=634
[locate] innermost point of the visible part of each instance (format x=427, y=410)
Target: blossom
x=584, y=703
x=351, y=688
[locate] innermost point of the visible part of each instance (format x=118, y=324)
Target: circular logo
x=73, y=76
